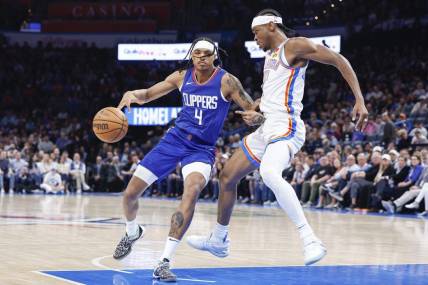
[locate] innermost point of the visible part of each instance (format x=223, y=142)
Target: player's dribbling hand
x=251, y=118
x=128, y=98
x=361, y=112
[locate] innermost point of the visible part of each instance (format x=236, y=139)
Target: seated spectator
x=333, y=179
x=419, y=138
x=174, y=183
x=96, y=179
x=299, y=177
x=63, y=168
x=394, y=157
x=114, y=179
x=404, y=141
x=424, y=154
x=419, y=190
x=215, y=180
x=420, y=109
x=44, y=166
x=361, y=166
x=384, y=188
x=78, y=172
x=423, y=195
x=24, y=181
x=312, y=169
x=16, y=164
x=411, y=179
x=52, y=182
x=339, y=180
x=402, y=171
x=382, y=182
x=55, y=155
x=262, y=194
x=46, y=145
x=321, y=176
x=419, y=127
x=127, y=174
x=63, y=141
x=363, y=180
x=4, y=169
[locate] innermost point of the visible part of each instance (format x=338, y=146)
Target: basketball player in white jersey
x=272, y=146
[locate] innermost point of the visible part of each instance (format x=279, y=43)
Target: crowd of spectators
x=50, y=95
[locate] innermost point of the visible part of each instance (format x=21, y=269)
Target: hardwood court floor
x=79, y=233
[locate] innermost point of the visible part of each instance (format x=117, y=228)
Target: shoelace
x=164, y=270
x=123, y=242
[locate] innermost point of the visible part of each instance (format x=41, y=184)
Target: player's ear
x=271, y=27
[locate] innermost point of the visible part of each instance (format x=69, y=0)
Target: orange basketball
x=110, y=125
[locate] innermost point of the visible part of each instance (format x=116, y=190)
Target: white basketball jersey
x=283, y=85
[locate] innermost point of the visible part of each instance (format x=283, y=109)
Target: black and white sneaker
x=163, y=273
x=125, y=245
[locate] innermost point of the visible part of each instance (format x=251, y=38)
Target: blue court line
x=411, y=274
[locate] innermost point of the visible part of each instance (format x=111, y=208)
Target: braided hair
x=189, y=63
x=271, y=12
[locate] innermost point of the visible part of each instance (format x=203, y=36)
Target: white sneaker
x=217, y=248
x=389, y=206
x=314, y=252
x=414, y=205
x=330, y=206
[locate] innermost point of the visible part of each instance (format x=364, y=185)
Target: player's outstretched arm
x=304, y=48
x=233, y=91
x=143, y=96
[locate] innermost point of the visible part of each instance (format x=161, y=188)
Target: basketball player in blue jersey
x=282, y=134
x=207, y=91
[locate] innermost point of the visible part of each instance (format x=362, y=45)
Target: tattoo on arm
x=258, y=120
x=177, y=221
x=235, y=85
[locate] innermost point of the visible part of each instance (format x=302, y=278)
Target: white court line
x=96, y=262
x=197, y=280
x=59, y=278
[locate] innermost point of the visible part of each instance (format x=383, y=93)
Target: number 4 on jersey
x=198, y=115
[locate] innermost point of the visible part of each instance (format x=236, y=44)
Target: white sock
x=274, y=161
x=170, y=247
x=306, y=233
x=132, y=228
x=220, y=232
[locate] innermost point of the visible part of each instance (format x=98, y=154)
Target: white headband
x=261, y=20
x=204, y=45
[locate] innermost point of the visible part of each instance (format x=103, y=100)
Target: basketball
x=110, y=125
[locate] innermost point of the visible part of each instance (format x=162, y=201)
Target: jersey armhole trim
x=222, y=96
x=221, y=92
x=283, y=60
x=184, y=79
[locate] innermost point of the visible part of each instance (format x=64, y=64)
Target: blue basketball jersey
x=204, y=107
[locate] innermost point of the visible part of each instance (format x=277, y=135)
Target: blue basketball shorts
x=177, y=146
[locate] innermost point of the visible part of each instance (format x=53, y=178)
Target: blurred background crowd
x=50, y=94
